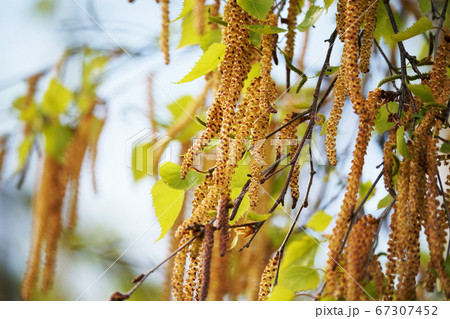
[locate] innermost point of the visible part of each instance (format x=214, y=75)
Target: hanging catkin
x=164, y=36
x=178, y=271
x=389, y=161
x=46, y=225
x=340, y=18
x=335, y=116
x=267, y=278
x=367, y=119
x=370, y=20
x=356, y=253
x=208, y=244
x=290, y=35
x=199, y=15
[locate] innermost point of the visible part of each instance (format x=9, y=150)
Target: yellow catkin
x=366, y=122
x=350, y=53
x=233, y=69
x=46, y=225
x=438, y=74
x=377, y=274
x=208, y=245
x=178, y=271
x=290, y=35
x=357, y=251
x=389, y=161
x=267, y=278
x=267, y=91
x=340, y=18
x=199, y=15
x=436, y=224
x=192, y=272
x=220, y=273
x=370, y=20
x=165, y=24
x=214, y=12
x=398, y=227
x=335, y=117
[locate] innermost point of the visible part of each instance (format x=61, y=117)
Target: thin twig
x=438, y=30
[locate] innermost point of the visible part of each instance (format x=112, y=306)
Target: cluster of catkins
x=235, y=116
x=414, y=184
x=56, y=192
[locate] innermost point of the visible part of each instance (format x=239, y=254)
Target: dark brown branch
x=441, y=23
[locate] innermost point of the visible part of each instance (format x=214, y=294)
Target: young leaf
x=382, y=123
x=255, y=71
x=168, y=203
x=240, y=176
x=245, y=204
x=170, y=174
x=189, y=33
x=401, y=143
x=319, y=221
x=311, y=16
x=385, y=201
x=301, y=252
x=56, y=98
x=423, y=92
x=445, y=148
x=256, y=8
x=299, y=278
x=281, y=293
x=267, y=29
x=420, y=26
x=187, y=7
x=257, y=217
x=424, y=6
x=207, y=62
x=57, y=137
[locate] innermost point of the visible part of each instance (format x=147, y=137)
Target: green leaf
x=328, y=3
x=168, y=203
x=56, y=98
x=189, y=33
x=301, y=252
x=385, y=201
x=170, y=174
x=382, y=123
x=425, y=6
x=420, y=26
x=423, y=92
x=401, y=143
x=445, y=148
x=57, y=137
x=311, y=16
x=257, y=217
x=319, y=221
x=187, y=7
x=245, y=204
x=281, y=293
x=267, y=29
x=364, y=189
x=240, y=176
x=323, y=129
x=24, y=150
x=210, y=37
x=299, y=278
x=256, y=8
x=255, y=71
x=207, y=62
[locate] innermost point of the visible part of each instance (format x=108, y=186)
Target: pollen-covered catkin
x=165, y=24
x=389, y=161
x=46, y=224
x=377, y=274
x=290, y=35
x=356, y=253
x=399, y=233
x=267, y=278
x=208, y=245
x=366, y=122
x=335, y=116
x=436, y=224
x=199, y=15
x=340, y=18
x=178, y=271
x=438, y=75
x=370, y=20
x=223, y=224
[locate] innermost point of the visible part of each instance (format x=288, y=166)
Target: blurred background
x=118, y=220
